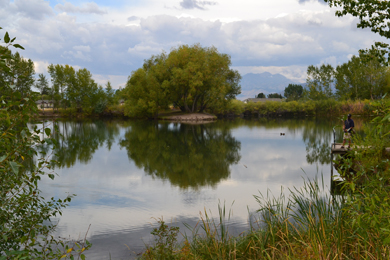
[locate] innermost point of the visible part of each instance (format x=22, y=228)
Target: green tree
x=21, y=76
x=293, y=92
x=201, y=78
x=110, y=92
x=146, y=90
x=260, y=95
x=43, y=85
x=319, y=82
x=361, y=78
x=25, y=216
x=274, y=95
x=191, y=77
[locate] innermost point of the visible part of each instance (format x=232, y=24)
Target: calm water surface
x=127, y=173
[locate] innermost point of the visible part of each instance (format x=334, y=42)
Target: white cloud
x=41, y=66
x=284, y=44
x=35, y=9
x=85, y=8
x=116, y=80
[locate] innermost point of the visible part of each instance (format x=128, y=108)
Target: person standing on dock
x=348, y=128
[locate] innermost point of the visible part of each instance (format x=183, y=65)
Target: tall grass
x=309, y=223
x=321, y=107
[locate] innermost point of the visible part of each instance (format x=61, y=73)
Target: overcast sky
x=111, y=38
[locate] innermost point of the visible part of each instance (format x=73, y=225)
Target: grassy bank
x=309, y=224
x=70, y=112
x=300, y=108
x=328, y=107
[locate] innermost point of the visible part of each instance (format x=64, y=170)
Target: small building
x=255, y=100
x=45, y=103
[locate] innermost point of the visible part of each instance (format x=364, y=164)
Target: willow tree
x=201, y=77
x=146, y=90
x=193, y=78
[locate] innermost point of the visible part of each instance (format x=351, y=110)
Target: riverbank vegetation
x=25, y=215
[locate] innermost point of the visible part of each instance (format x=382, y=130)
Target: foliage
x=309, y=223
x=42, y=85
x=371, y=14
x=274, y=95
x=260, y=95
x=20, y=72
x=78, y=90
x=326, y=107
x=368, y=201
x=110, y=92
x=362, y=78
x=147, y=89
x=25, y=226
x=165, y=239
x=293, y=92
x=193, y=78
x=319, y=82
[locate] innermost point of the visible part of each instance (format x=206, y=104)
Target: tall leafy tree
x=293, y=92
x=146, y=90
x=191, y=77
x=110, y=92
x=21, y=76
x=42, y=84
x=201, y=77
x=361, y=78
x=319, y=82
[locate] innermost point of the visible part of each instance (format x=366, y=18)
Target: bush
x=24, y=213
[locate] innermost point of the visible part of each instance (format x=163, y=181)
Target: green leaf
x=47, y=131
x=82, y=257
x=2, y=158
x=6, y=38
x=18, y=46
x=15, y=167
x=51, y=176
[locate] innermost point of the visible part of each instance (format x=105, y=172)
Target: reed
x=309, y=107
x=309, y=223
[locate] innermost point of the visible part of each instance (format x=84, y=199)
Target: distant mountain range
x=253, y=84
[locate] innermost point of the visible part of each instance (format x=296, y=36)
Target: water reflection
x=79, y=140
x=186, y=155
x=126, y=172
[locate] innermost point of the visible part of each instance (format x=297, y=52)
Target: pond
x=126, y=174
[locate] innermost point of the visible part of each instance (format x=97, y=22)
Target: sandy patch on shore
x=193, y=117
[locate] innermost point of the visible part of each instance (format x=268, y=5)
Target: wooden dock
x=336, y=148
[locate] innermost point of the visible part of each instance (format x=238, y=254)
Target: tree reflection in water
x=79, y=140
x=189, y=156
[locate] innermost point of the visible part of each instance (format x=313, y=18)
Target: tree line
x=363, y=77
x=69, y=88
